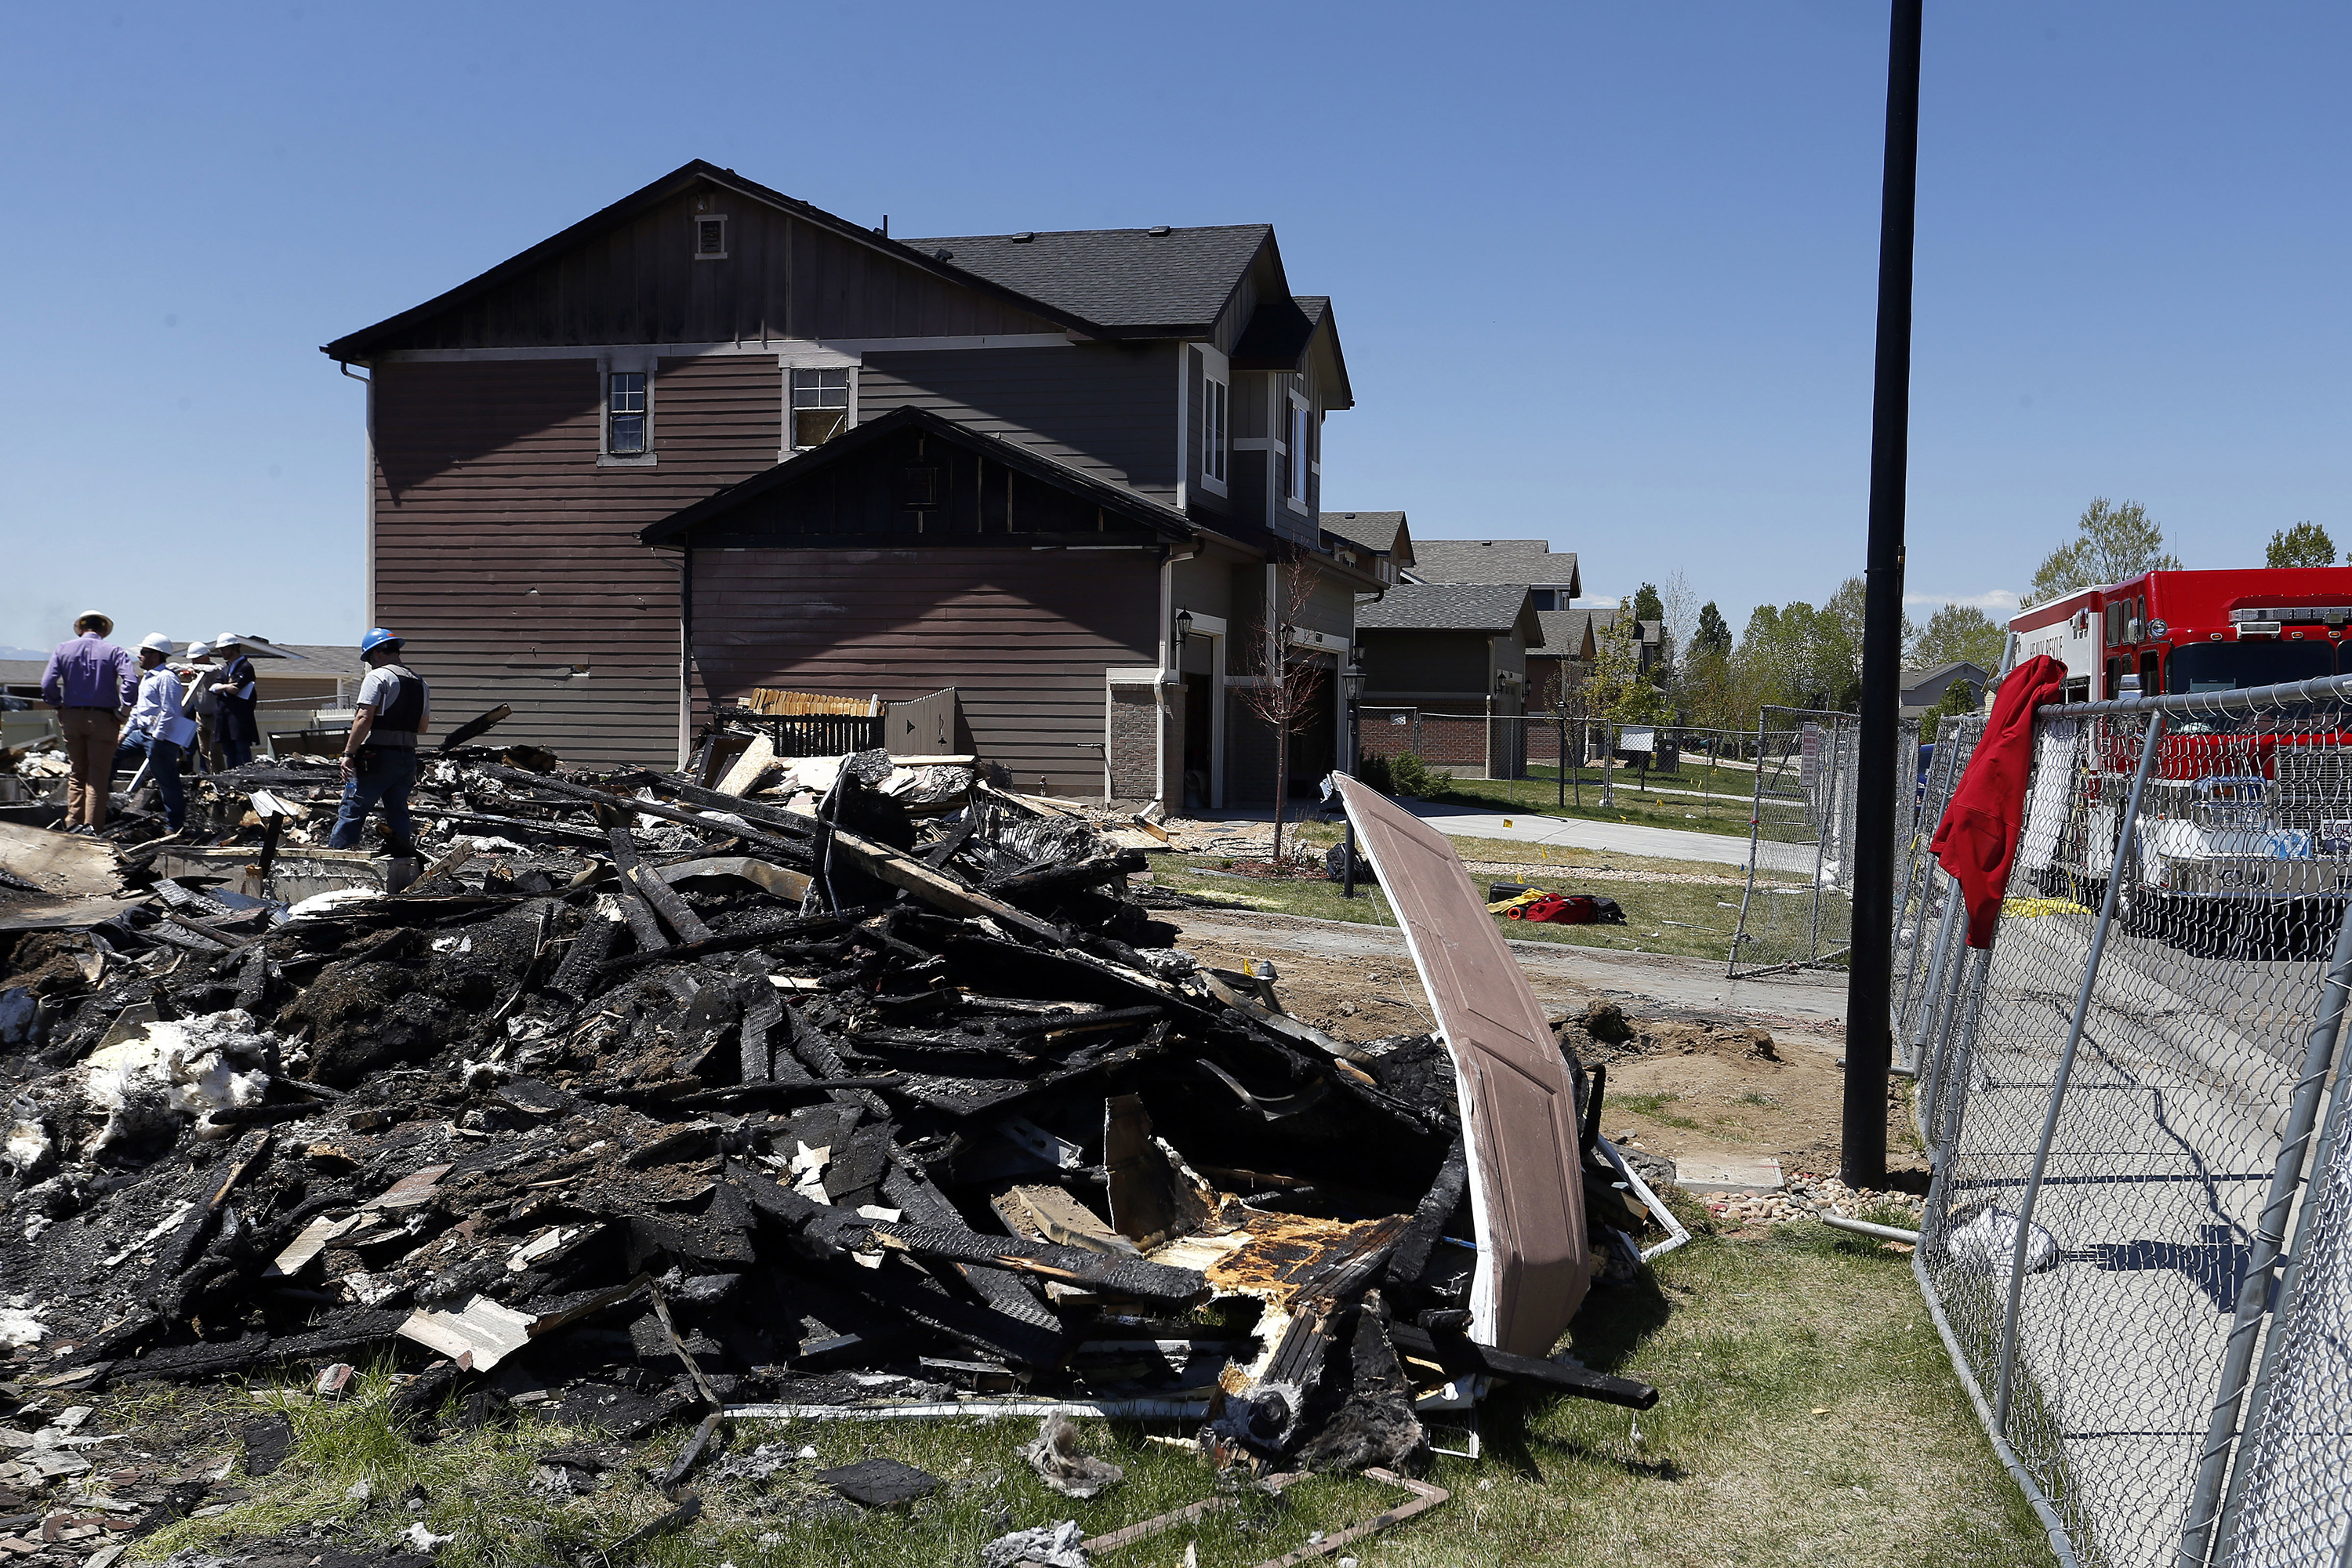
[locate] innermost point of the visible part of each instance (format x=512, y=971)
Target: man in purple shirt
x=90, y=682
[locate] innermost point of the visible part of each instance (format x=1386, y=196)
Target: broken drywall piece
x=480, y=1337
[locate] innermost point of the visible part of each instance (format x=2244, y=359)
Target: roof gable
x=852, y=444
x=1381, y=531
x=634, y=268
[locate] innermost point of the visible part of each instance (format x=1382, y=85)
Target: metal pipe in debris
x=1863, y=1228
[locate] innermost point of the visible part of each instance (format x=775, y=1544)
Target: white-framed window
x=1217, y=403
x=819, y=408
x=1298, y=439
x=628, y=425
x=711, y=237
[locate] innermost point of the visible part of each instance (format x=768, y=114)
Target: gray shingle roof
x=1446, y=607
x=1531, y=560
x=1115, y=276
x=1563, y=631
x=1372, y=530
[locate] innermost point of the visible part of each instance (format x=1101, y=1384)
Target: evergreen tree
x=2305, y=544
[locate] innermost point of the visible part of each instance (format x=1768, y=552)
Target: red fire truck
x=2236, y=824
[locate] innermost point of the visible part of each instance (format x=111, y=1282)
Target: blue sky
x=1603, y=273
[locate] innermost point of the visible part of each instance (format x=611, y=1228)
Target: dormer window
x=711, y=237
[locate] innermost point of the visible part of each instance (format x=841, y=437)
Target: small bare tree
x=1283, y=683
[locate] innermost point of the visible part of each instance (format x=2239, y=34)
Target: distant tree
x=1648, y=604
x=2305, y=544
x=1961, y=698
x=1960, y=632
x=1615, y=693
x=1714, y=634
x=2111, y=543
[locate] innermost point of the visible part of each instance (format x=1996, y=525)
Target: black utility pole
x=1869, y=1033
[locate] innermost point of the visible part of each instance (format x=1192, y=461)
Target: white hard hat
x=157, y=641
x=225, y=638
x=200, y=650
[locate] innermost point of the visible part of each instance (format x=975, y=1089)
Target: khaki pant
x=91, y=734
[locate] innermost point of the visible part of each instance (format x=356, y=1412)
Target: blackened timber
x=918, y=1198
x=1457, y=1354
x=1087, y=873
x=643, y=924
x=795, y=855
x=589, y=951
x=669, y=903
x=761, y=1013
x=718, y=800
x=562, y=831
x=1430, y=1217
x=737, y=940
x=1071, y=1265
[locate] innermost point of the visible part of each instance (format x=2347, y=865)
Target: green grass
x=1684, y=918
x=1724, y=812
x=1808, y=1416
x=1654, y=1106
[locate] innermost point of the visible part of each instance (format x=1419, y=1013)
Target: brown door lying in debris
x=1518, y=1097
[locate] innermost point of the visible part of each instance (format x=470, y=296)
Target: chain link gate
x=1797, y=911
x=2120, y=1094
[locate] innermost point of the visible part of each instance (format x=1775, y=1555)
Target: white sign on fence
x=1637, y=738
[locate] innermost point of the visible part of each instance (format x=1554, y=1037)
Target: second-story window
x=820, y=406
x=1297, y=439
x=1214, y=400
x=624, y=414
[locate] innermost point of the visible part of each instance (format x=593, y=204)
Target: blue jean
x=391, y=773
x=163, y=758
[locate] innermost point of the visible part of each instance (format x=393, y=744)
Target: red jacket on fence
x=1977, y=841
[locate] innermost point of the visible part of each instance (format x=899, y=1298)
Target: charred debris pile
x=883, y=1094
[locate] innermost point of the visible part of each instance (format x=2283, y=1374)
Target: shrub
x=1374, y=771
x=1414, y=779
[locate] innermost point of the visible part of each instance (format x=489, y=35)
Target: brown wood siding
x=1107, y=408
x=507, y=556
x=641, y=283
x=1024, y=637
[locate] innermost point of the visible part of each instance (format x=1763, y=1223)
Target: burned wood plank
x=939, y=891
x=1458, y=1354
x=479, y=724
x=791, y=853
x=1431, y=1215
x=644, y=923
x=737, y=940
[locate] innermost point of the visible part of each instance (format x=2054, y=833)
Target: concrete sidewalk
x=1617, y=837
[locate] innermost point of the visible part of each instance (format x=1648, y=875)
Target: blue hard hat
x=376, y=637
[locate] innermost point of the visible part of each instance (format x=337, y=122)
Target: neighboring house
x=1923, y=689
x=1379, y=540
x=1453, y=650
x=605, y=488
x=1550, y=579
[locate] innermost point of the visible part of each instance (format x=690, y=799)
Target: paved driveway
x=1618, y=837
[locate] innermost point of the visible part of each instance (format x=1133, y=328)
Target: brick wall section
x=1134, y=743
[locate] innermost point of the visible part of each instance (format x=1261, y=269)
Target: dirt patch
x=1683, y=1082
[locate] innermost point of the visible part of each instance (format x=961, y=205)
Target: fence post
x=2254, y=1290
x=1945, y=924
x=2020, y=1246
x=1755, y=819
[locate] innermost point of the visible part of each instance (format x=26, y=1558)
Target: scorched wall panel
x=1024, y=637
x=509, y=559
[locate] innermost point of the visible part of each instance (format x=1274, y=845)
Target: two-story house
x=713, y=438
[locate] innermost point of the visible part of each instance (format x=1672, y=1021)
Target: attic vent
x=1159, y=231
x=943, y=254
x=1024, y=237
x=710, y=238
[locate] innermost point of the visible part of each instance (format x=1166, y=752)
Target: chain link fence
x=1797, y=911
x=2120, y=1094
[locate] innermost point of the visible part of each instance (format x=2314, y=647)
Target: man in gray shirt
x=380, y=762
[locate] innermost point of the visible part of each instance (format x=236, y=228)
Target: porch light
x=1183, y=626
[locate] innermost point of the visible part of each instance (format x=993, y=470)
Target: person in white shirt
x=160, y=729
